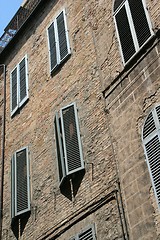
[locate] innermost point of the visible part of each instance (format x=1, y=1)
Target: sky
x=7, y=10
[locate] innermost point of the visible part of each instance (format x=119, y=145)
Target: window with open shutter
x=133, y=26
x=59, y=147
x=86, y=234
x=19, y=85
x=20, y=182
x=68, y=142
x=58, y=41
x=151, y=144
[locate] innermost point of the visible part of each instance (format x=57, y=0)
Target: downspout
x=3, y=147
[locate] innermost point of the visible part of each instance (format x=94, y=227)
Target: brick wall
x=77, y=80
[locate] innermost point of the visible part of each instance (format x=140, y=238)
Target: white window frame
x=132, y=28
x=59, y=61
x=19, y=102
x=63, y=152
x=15, y=212
x=78, y=136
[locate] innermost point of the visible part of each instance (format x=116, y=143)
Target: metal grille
x=17, y=21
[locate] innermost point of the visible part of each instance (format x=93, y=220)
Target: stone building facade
x=75, y=111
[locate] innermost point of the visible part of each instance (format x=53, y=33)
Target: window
x=58, y=41
x=19, y=85
x=68, y=142
x=20, y=182
x=151, y=144
x=87, y=234
x=132, y=25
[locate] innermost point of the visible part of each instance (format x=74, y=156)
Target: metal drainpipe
x=3, y=147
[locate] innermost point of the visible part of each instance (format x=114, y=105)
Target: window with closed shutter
x=151, y=144
x=86, y=234
x=68, y=142
x=19, y=85
x=133, y=26
x=58, y=41
x=20, y=182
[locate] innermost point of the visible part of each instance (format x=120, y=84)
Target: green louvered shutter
x=22, y=182
x=117, y=3
x=71, y=139
x=52, y=46
x=151, y=144
x=13, y=186
x=59, y=147
x=23, y=81
x=152, y=148
x=140, y=21
x=14, y=91
x=133, y=26
x=88, y=234
x=124, y=34
x=64, y=49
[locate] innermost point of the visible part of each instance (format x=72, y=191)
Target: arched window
x=151, y=144
x=132, y=25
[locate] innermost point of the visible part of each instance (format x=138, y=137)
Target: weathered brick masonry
x=112, y=103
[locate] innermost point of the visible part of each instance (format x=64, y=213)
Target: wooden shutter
x=14, y=91
x=21, y=179
x=13, y=186
x=149, y=126
x=88, y=234
x=140, y=21
x=117, y=3
x=124, y=34
x=152, y=148
x=71, y=139
x=63, y=42
x=59, y=147
x=23, y=81
x=158, y=113
x=52, y=46
x=151, y=143
x=133, y=26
